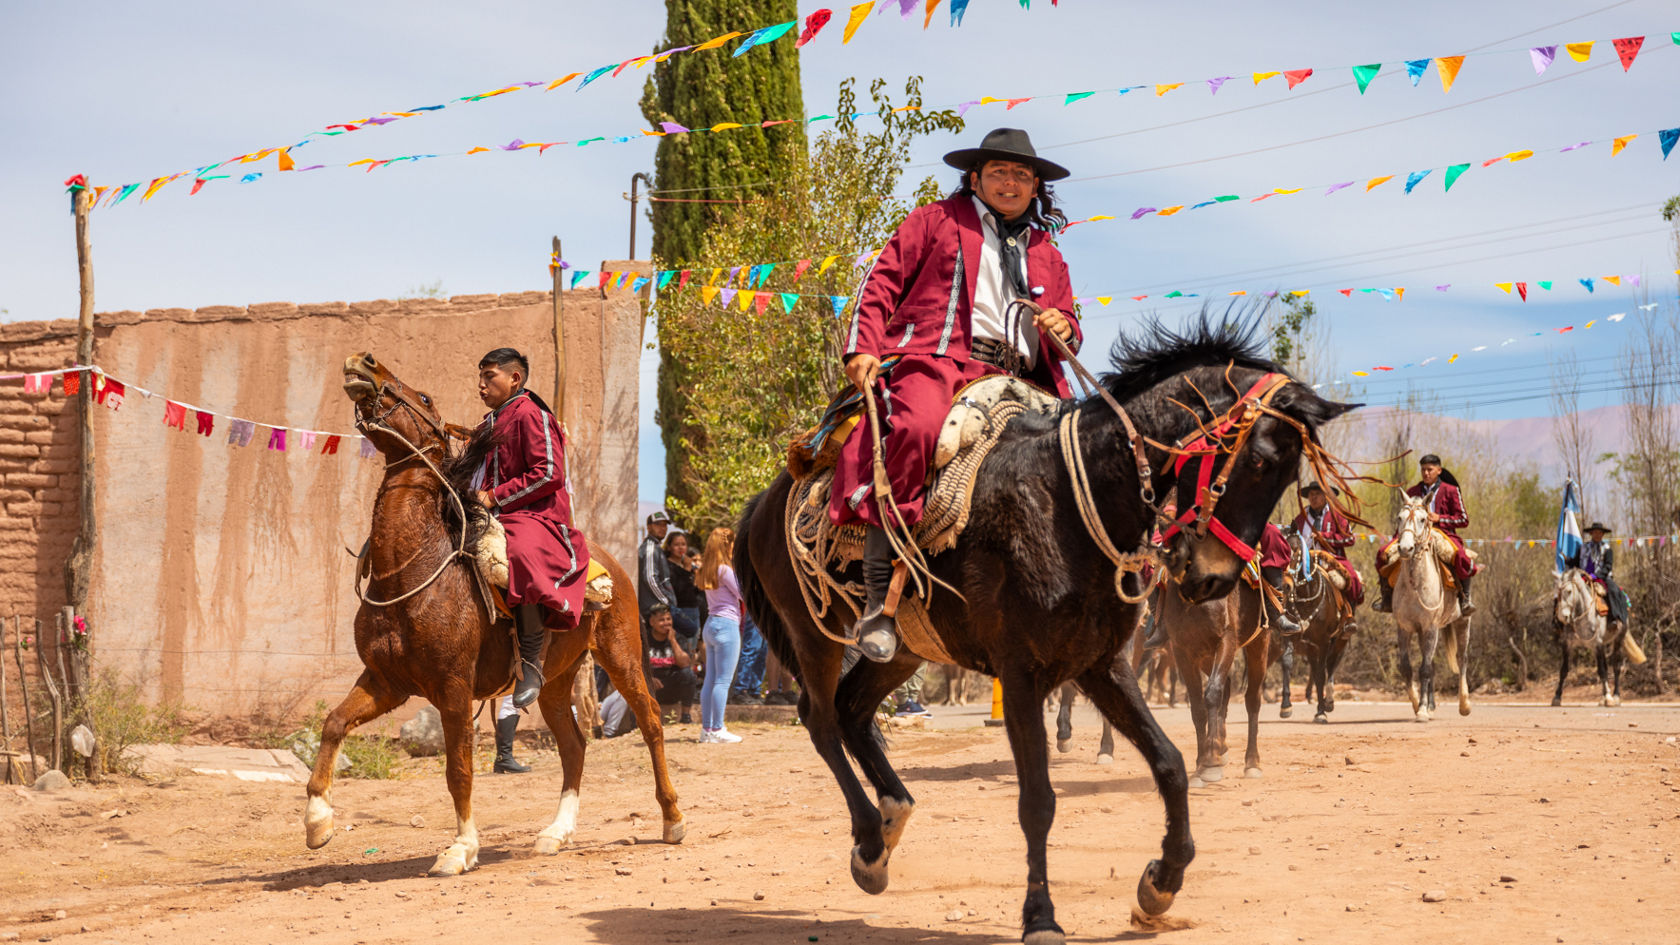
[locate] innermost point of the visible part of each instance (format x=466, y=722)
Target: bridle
x=367, y=421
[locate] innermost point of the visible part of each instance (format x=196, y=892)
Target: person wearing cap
x=1598, y=560
x=1322, y=527
x=1439, y=490
x=523, y=482
x=967, y=286
x=653, y=571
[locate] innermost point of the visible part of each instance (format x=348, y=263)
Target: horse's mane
x=1157, y=352
x=459, y=470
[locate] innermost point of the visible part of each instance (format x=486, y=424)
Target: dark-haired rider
x=1439, y=490
x=523, y=481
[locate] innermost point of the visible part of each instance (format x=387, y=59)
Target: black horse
x=1039, y=603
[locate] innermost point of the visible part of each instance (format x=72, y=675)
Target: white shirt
x=989, y=301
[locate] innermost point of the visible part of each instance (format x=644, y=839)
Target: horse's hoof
x=1212, y=775
x=1195, y=781
x=548, y=846
x=1251, y=773
x=1285, y=712
x=1423, y=715
x=1464, y=707
x=871, y=878
x=676, y=831
x=1151, y=900
x=1105, y=759
x=453, y=862
x=1064, y=744
x=317, y=823
x=1044, y=937
x=1557, y=702
x=1321, y=719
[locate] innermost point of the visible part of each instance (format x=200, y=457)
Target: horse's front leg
x=1563, y=668
x=1194, y=697
x=1427, y=643
x=1064, y=718
x=1116, y=696
x=1404, y=642
x=455, y=708
x=1603, y=673
x=368, y=699
x=1461, y=635
x=1287, y=662
x=1255, y=660
x=1321, y=681
x=1210, y=766
x=1036, y=809
x=861, y=692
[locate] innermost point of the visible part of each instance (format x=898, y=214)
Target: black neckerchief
x=1012, y=247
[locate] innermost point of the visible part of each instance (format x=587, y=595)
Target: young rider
x=523, y=482
x=1323, y=528
x=1439, y=490
x=942, y=295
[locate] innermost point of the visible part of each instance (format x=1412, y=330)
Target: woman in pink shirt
x=722, y=633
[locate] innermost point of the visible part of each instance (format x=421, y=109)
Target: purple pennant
x=727, y=295
x=532, y=85
x=1634, y=280
x=1443, y=288
x=733, y=272
x=312, y=167
x=1336, y=187
x=1542, y=57
x=1574, y=146
x=906, y=6
x=672, y=128
x=368, y=450
x=277, y=439
x=962, y=108
x=513, y=145
x=1214, y=84
x=1143, y=211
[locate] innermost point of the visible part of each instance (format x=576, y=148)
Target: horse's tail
x=1456, y=632
x=752, y=592
x=1630, y=648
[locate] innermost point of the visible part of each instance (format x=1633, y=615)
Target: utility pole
x=638, y=176
x=559, y=336
x=80, y=562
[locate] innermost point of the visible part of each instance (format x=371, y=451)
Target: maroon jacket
x=1335, y=536
x=1448, y=504
x=526, y=475
x=913, y=304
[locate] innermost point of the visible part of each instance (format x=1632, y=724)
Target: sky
x=137, y=92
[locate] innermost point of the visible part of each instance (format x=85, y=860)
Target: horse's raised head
x=1241, y=426
x=396, y=418
x=1412, y=525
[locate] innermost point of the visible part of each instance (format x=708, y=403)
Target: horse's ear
x=457, y=431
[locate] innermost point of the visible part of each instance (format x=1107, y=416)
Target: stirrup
x=530, y=684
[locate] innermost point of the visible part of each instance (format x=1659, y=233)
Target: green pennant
x=1453, y=171
x=1547, y=285
x=1364, y=74
x=1076, y=96
x=1174, y=294
x=788, y=301
x=666, y=277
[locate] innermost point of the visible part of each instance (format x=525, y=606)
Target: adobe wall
x=221, y=578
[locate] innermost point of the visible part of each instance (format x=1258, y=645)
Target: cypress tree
x=698, y=90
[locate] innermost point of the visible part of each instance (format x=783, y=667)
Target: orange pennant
x=1161, y=90
x=286, y=162
x=1378, y=182
x=1448, y=65
x=715, y=43
x=1618, y=144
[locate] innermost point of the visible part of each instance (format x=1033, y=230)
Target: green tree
x=746, y=381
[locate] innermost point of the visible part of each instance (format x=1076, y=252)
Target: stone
x=52, y=782
x=417, y=821
x=758, y=895
x=955, y=915
x=422, y=736
x=1435, y=895
x=1507, y=878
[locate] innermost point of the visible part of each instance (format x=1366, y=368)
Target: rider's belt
x=999, y=355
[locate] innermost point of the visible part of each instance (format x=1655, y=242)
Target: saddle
x=1444, y=553
x=1601, y=598
x=1333, y=567
x=820, y=549
x=490, y=559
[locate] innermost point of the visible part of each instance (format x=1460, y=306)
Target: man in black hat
x=1598, y=560
x=966, y=287
x=653, y=571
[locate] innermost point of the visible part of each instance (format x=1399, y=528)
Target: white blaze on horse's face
x=1414, y=524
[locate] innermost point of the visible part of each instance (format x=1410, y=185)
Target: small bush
x=120, y=720
x=360, y=756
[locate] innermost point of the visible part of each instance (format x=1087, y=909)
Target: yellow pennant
x=155, y=186
x=1161, y=90
x=1240, y=292
x=1361, y=373
x=561, y=81
x=1100, y=216
x=1399, y=293
x=1260, y=77
x=1613, y=280
x=746, y=299
x=1105, y=299
x=469, y=151
x=1590, y=324
x=715, y=43
x=1378, y=182
x=1579, y=51
x=707, y=293
x=1522, y=155
x=1618, y=144
x=370, y=160
x=859, y=11
x=726, y=125
x=1448, y=66
x=1286, y=192
x=1300, y=292
x=1452, y=359
x=1504, y=287
x=830, y=260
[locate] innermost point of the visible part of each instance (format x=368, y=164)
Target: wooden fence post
x=80, y=562
x=28, y=711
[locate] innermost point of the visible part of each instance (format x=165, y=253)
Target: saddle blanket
x=490, y=557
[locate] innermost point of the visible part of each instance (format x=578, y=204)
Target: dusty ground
x=1351, y=825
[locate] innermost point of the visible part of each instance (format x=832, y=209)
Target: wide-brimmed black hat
x=1006, y=144
x=1312, y=487
x=1599, y=527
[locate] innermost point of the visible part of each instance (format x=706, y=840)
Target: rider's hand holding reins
x=1051, y=320
x=486, y=499
x=861, y=370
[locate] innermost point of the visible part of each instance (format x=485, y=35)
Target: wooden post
x=5, y=709
x=28, y=711
x=80, y=562
x=44, y=665
x=559, y=338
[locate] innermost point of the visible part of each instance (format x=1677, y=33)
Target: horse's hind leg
x=1064, y=718
x=1427, y=643
x=1287, y=667
x=368, y=699
x=617, y=646
x=1403, y=639
x=1563, y=668
x=1036, y=806
x=858, y=695
x=1118, y=699
x=1105, y=751
x=1461, y=642
x=555, y=703
x=1254, y=658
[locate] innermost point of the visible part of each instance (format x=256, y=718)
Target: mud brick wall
x=221, y=579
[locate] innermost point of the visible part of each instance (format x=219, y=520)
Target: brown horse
x=1041, y=600
x=1204, y=638
x=422, y=629
x=1327, y=626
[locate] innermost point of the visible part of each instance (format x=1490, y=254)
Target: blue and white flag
x=1568, y=529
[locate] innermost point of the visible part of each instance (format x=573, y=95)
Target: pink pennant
x=1297, y=76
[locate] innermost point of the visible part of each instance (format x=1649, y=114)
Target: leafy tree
x=737, y=384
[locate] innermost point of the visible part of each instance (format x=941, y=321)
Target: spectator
x=653, y=574
x=909, y=696
x=507, y=722
x=689, y=603
x=670, y=668
x=780, y=682
x=722, y=633
x=749, y=674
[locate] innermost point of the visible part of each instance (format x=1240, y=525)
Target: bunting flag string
x=113, y=394
x=1460, y=354
x=1364, y=75
x=1654, y=541
x=1388, y=293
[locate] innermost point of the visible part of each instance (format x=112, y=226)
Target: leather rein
x=364, y=424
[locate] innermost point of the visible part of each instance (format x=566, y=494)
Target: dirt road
x=1534, y=825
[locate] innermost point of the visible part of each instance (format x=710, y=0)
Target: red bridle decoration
x=1205, y=447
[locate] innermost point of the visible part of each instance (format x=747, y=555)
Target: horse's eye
x=425, y=400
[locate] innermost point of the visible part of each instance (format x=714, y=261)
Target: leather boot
x=876, y=633
x=1285, y=624
x=1386, y=604
x=1466, y=606
x=1157, y=635
x=505, y=763
x=532, y=636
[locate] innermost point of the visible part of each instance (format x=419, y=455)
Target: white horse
x=1423, y=607
x=1575, y=610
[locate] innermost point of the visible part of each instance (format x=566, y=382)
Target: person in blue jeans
x=749, y=675
x=722, y=633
